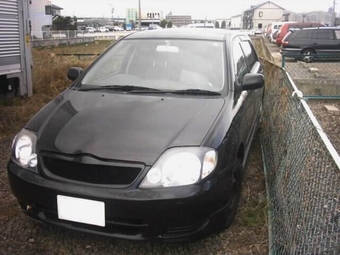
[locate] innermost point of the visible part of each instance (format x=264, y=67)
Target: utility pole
x=112, y=10
x=139, y=16
x=333, y=14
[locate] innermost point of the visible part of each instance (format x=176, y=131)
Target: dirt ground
x=329, y=120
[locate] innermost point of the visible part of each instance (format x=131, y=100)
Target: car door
x=242, y=99
x=255, y=96
x=324, y=41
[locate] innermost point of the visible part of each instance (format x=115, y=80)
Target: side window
x=325, y=34
x=304, y=34
x=249, y=54
x=337, y=34
x=48, y=10
x=239, y=61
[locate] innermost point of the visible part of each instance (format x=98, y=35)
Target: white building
x=131, y=15
x=223, y=22
x=41, y=13
x=236, y=22
x=315, y=16
x=151, y=16
x=260, y=16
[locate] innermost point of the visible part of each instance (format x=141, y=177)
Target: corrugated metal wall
x=9, y=32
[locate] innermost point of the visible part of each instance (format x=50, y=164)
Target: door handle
x=315, y=44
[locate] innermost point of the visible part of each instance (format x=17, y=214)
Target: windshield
x=162, y=64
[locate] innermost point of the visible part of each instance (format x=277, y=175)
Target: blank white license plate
x=81, y=210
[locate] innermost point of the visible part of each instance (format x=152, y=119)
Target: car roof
x=187, y=33
x=316, y=28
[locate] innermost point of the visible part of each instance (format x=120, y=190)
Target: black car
x=148, y=143
x=311, y=42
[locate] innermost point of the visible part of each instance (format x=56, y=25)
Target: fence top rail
x=316, y=124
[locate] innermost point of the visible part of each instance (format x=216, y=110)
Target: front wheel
x=234, y=196
x=308, y=55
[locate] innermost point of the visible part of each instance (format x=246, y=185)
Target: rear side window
x=323, y=34
x=287, y=36
x=337, y=34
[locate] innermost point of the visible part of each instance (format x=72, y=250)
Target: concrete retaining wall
x=56, y=42
x=318, y=87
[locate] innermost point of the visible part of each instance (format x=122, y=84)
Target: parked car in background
x=267, y=30
x=311, y=42
x=143, y=28
x=274, y=36
x=118, y=28
x=149, y=143
x=275, y=26
x=154, y=26
x=284, y=29
x=258, y=32
x=90, y=29
x=110, y=28
x=103, y=29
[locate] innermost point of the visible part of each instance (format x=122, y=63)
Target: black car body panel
x=100, y=145
x=76, y=125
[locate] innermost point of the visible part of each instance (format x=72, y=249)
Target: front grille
x=90, y=173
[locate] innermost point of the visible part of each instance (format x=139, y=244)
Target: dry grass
x=49, y=79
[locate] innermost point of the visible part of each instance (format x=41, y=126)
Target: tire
x=234, y=196
x=309, y=55
x=260, y=120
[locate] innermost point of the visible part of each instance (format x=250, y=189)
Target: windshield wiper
x=125, y=88
x=141, y=90
x=196, y=92
x=179, y=92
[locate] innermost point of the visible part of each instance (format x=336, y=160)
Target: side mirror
x=252, y=81
x=74, y=72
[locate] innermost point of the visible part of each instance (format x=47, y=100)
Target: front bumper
x=176, y=214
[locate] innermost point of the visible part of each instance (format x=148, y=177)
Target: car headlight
x=181, y=166
x=23, y=149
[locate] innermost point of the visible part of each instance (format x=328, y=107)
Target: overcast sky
x=198, y=9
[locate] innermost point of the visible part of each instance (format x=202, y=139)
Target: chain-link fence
x=71, y=34
x=303, y=177
x=317, y=76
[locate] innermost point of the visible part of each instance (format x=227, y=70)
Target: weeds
x=49, y=79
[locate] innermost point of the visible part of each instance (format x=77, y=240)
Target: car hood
x=135, y=128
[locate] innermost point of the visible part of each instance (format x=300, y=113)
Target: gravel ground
x=248, y=235
x=329, y=120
